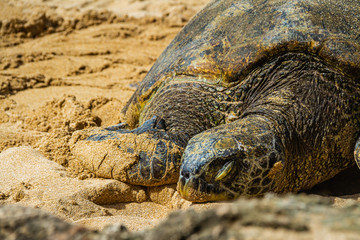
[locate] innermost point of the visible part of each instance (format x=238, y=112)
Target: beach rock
x=28, y=223
x=272, y=217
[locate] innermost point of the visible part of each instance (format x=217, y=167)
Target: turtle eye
x=224, y=171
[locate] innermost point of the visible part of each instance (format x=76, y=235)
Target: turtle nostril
x=185, y=174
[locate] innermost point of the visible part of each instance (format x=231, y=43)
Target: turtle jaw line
x=196, y=189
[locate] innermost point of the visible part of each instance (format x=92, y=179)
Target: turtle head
x=224, y=163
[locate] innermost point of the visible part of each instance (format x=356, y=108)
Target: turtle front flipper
x=357, y=152
x=147, y=155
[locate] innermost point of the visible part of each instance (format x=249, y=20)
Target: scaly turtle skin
x=262, y=95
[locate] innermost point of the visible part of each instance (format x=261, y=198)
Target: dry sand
x=67, y=66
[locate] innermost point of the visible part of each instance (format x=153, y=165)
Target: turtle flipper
x=147, y=155
x=117, y=127
x=357, y=152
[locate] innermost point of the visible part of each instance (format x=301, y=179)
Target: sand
x=69, y=66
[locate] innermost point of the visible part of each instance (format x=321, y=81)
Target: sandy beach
x=68, y=66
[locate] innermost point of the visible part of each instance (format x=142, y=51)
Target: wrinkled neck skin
x=289, y=125
x=312, y=108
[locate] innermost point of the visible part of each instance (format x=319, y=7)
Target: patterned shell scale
x=228, y=38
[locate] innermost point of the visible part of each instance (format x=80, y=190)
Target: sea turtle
x=251, y=96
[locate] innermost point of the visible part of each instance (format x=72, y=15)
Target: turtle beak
x=194, y=185
x=187, y=184
x=197, y=190
x=183, y=187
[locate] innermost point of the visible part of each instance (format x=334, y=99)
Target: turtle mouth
x=196, y=189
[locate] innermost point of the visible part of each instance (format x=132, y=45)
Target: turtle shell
x=229, y=38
